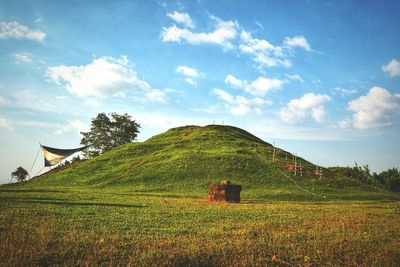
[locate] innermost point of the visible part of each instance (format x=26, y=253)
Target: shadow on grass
x=160, y=195
x=31, y=199
x=52, y=201
x=32, y=190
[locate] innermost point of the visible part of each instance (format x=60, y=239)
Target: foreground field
x=82, y=227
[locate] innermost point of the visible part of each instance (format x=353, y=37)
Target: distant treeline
x=389, y=179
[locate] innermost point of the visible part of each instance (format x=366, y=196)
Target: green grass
x=143, y=204
x=101, y=227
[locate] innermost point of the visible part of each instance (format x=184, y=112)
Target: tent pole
x=37, y=154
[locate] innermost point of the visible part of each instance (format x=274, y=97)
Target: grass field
x=109, y=227
x=143, y=204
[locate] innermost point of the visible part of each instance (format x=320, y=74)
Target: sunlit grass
x=93, y=227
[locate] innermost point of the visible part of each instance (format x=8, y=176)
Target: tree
x=390, y=179
x=109, y=132
x=19, y=174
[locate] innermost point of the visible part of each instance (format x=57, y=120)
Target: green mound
x=185, y=160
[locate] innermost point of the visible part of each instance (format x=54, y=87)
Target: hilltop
x=186, y=159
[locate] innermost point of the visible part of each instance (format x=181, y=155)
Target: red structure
x=224, y=192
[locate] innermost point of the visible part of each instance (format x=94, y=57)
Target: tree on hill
x=108, y=132
x=390, y=179
x=19, y=174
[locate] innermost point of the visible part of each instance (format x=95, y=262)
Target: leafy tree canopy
x=19, y=174
x=107, y=132
x=389, y=179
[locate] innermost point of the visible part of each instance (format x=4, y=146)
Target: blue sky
x=318, y=78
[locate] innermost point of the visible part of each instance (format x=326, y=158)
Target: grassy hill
x=142, y=204
x=185, y=160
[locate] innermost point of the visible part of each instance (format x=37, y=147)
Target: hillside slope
x=187, y=159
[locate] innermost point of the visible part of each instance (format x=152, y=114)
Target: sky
x=318, y=78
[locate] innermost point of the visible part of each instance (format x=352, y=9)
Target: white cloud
x=93, y=103
x=375, y=109
x=35, y=124
x=4, y=123
x=263, y=52
x=71, y=126
x=298, y=41
x=182, y=18
x=318, y=113
x=156, y=95
x=14, y=30
x=295, y=77
x=393, y=68
x=31, y=100
x=259, y=25
x=309, y=105
x=190, y=73
x=240, y=105
x=223, y=95
x=190, y=81
x=259, y=87
x=105, y=76
x=187, y=71
x=344, y=92
x=22, y=57
x=4, y=101
x=346, y=123
x=234, y=82
x=316, y=81
x=224, y=32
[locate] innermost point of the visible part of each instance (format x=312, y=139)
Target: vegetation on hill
x=20, y=174
x=108, y=132
x=187, y=159
x=389, y=179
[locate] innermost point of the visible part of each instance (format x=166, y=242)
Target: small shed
x=224, y=192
